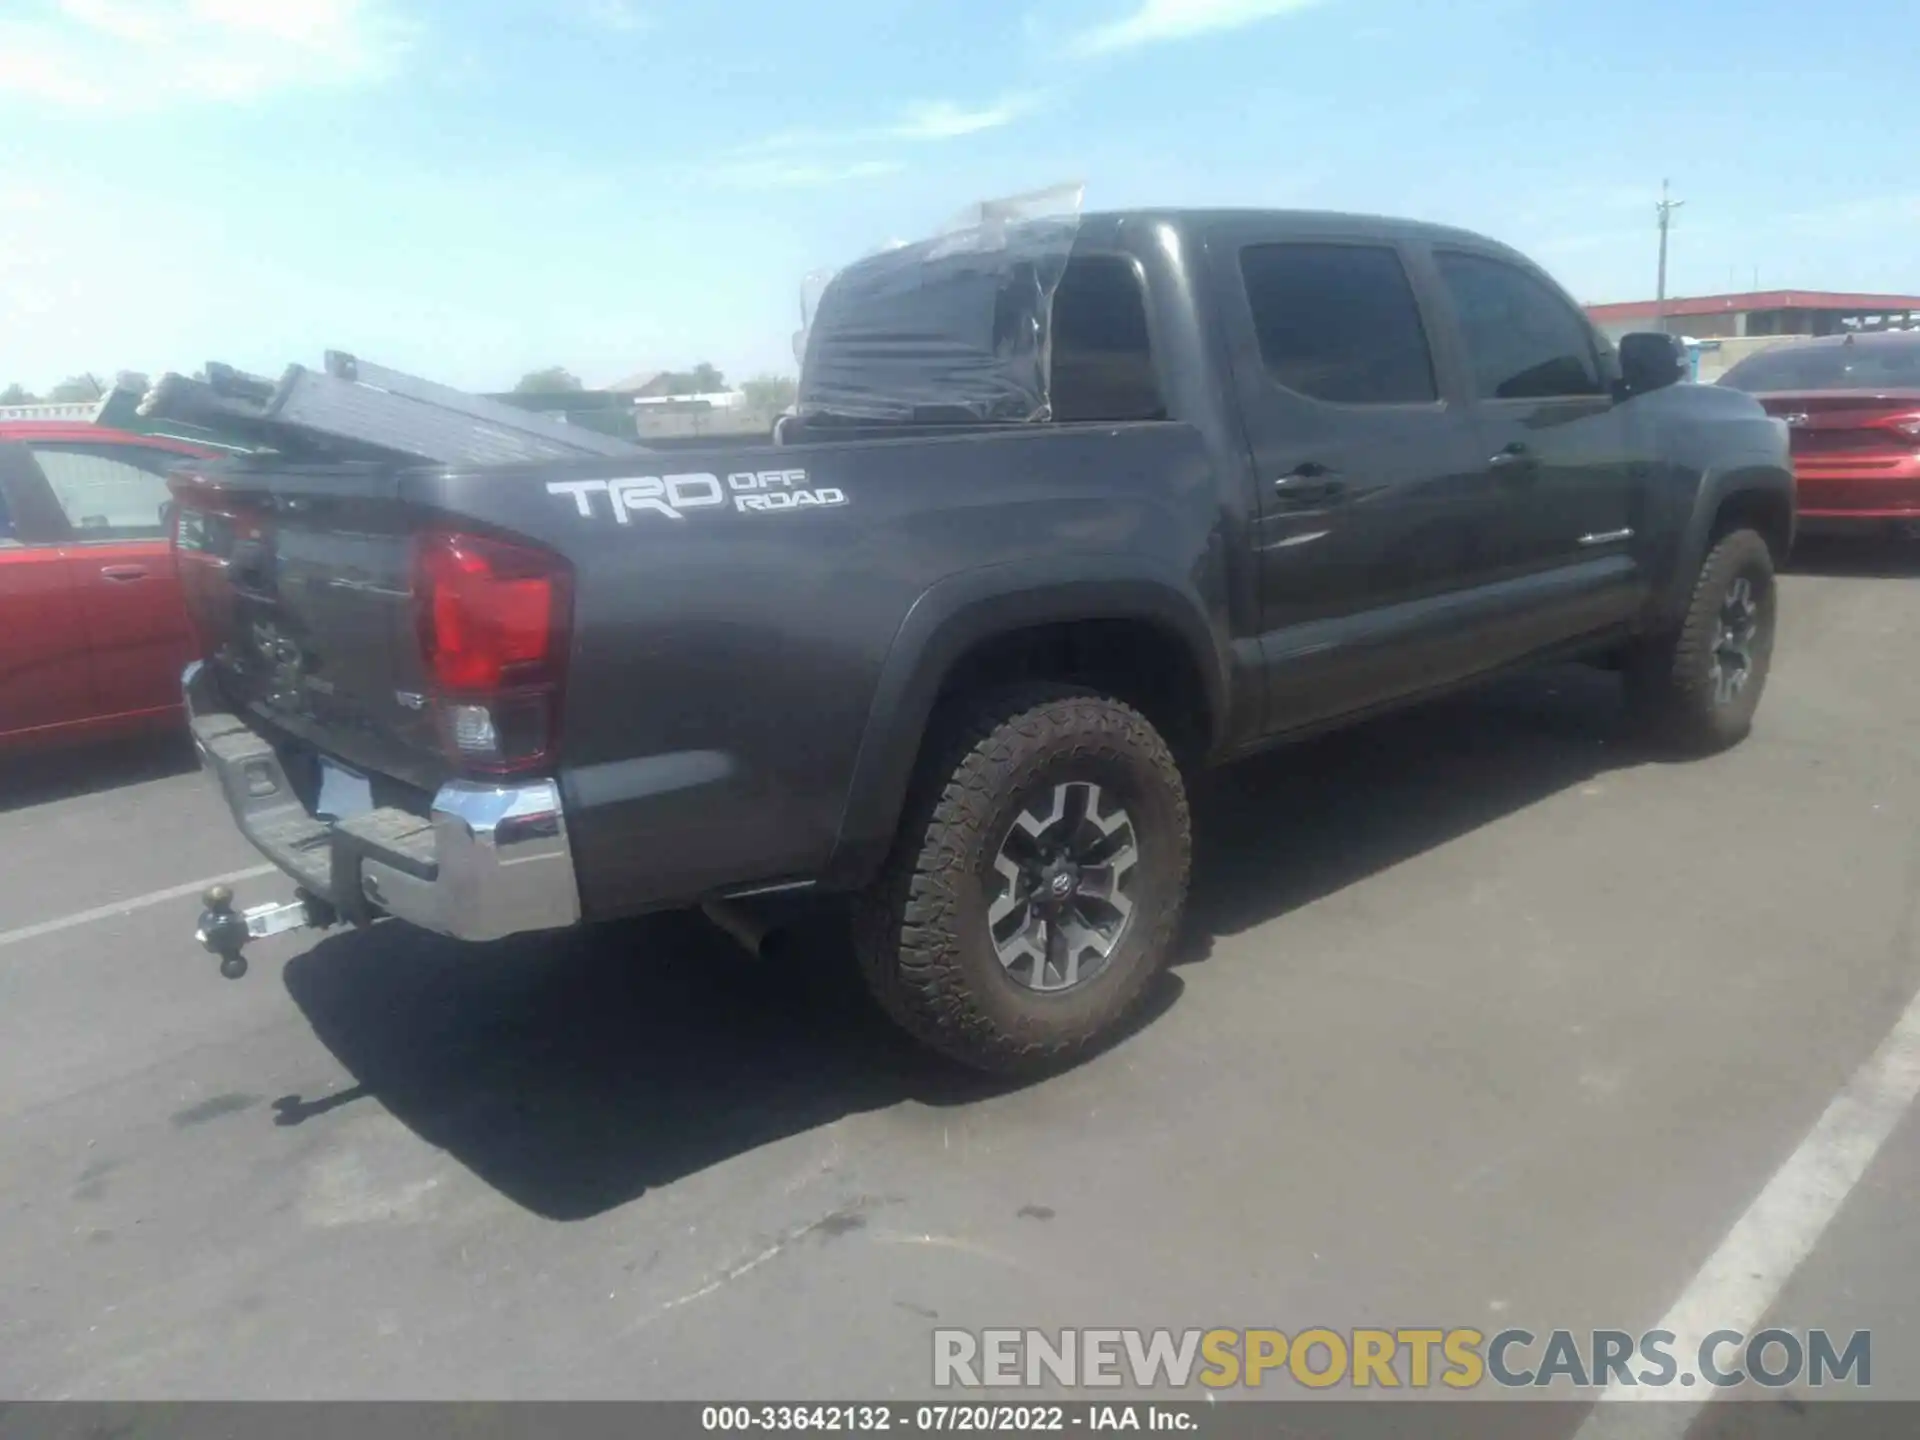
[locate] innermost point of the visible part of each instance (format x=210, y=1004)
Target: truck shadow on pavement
x=574, y=1074
x=1289, y=827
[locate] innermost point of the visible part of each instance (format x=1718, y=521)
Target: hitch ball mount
x=226, y=931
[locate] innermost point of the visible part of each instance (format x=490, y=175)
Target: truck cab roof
x=960, y=328
x=1306, y=222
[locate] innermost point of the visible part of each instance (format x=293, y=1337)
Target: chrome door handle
x=1310, y=482
x=1515, y=460
x=123, y=574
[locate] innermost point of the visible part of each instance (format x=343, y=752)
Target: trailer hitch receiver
x=226, y=932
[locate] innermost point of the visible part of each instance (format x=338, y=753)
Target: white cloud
x=1160, y=20
x=923, y=122
x=619, y=15
x=21, y=198
x=943, y=120
x=140, y=54
x=792, y=158
x=800, y=175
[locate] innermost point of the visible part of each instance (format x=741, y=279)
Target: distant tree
x=133, y=380
x=703, y=379
x=77, y=388
x=547, y=382
x=17, y=394
x=769, y=394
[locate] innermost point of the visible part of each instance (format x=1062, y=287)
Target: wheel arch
x=1012, y=622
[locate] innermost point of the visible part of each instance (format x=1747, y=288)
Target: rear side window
x=1339, y=323
x=105, y=498
x=1523, y=341
x=1103, y=365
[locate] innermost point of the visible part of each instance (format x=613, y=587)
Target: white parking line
x=1742, y=1279
x=122, y=907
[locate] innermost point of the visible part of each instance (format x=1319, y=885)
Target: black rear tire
x=1697, y=687
x=930, y=948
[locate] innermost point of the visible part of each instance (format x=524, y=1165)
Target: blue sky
x=474, y=188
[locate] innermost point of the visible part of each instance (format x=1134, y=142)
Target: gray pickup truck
x=1038, y=543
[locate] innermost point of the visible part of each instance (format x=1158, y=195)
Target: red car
x=1852, y=403
x=93, y=634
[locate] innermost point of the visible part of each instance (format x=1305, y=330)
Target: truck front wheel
x=1698, y=687
x=1037, y=883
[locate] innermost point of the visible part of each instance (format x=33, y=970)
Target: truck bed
x=730, y=619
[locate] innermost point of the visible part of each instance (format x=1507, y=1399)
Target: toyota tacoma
x=1061, y=517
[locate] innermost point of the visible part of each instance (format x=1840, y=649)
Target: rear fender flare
x=956, y=614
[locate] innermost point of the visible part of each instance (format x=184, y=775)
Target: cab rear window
x=1103, y=363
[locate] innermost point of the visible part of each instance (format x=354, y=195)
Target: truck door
x=1370, y=485
x=1570, y=465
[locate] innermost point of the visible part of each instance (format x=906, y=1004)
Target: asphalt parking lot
x=1485, y=1016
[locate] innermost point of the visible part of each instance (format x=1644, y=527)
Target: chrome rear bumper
x=488, y=860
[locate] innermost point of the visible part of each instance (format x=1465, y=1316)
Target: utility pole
x=1665, y=211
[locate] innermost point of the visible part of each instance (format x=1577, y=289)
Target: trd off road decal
x=763, y=490
x=752, y=492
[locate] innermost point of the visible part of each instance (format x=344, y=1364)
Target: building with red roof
x=1761, y=312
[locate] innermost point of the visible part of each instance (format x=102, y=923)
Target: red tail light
x=494, y=622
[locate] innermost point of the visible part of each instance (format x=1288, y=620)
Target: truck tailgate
x=298, y=581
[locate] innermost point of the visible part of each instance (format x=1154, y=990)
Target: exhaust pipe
x=748, y=929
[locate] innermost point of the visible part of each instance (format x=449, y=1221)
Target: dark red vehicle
x=1852, y=407
x=93, y=634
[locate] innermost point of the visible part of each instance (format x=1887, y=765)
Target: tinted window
x=104, y=498
x=1863, y=365
x=1102, y=361
x=1523, y=340
x=1339, y=323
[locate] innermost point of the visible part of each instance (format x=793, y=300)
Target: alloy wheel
x=1065, y=874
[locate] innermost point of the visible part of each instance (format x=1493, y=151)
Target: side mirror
x=1650, y=360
